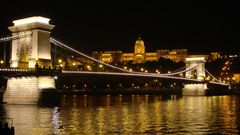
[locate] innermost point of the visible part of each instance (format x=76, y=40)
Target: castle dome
x=139, y=42
x=139, y=46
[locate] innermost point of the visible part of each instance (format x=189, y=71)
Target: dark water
x=128, y=115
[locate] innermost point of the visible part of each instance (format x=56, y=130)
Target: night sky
x=199, y=26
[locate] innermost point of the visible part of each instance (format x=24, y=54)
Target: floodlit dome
x=139, y=46
x=139, y=42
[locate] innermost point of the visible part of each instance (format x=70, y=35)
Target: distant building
x=176, y=55
x=140, y=55
x=215, y=55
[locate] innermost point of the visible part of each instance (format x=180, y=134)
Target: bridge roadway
x=14, y=72
x=100, y=79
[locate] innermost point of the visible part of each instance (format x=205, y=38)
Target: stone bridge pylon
x=199, y=72
x=34, y=46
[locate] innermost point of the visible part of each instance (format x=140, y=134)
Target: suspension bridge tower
x=30, y=48
x=34, y=45
x=195, y=69
x=199, y=72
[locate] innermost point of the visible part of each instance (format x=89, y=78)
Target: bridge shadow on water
x=49, y=98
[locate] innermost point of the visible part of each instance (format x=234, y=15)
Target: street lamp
x=89, y=67
x=60, y=61
x=157, y=71
x=1, y=62
x=100, y=67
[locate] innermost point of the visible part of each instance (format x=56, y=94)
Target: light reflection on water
x=128, y=115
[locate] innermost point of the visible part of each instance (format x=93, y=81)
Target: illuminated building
x=215, y=55
x=140, y=55
x=236, y=77
x=174, y=54
x=34, y=46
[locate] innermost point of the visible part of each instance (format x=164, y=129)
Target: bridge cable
x=60, y=44
x=214, y=78
x=179, y=72
x=129, y=74
x=14, y=37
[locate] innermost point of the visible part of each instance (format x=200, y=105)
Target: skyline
x=90, y=26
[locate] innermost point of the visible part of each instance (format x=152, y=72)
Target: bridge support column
x=27, y=89
x=195, y=89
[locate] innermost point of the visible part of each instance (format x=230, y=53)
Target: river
x=144, y=114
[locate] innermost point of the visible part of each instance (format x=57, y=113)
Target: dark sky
x=200, y=26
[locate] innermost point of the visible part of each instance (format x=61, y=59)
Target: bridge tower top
x=36, y=22
x=34, y=46
x=195, y=60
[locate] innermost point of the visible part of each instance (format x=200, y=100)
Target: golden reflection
x=143, y=118
x=74, y=116
x=133, y=99
x=129, y=115
x=108, y=101
x=85, y=100
x=100, y=120
x=119, y=100
x=126, y=120
x=87, y=123
x=157, y=114
x=146, y=99
x=113, y=121
x=229, y=104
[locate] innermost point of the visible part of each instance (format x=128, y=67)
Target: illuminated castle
x=139, y=55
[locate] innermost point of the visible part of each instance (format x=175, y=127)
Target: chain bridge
x=32, y=63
